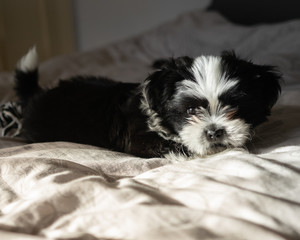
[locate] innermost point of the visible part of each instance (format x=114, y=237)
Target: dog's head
x=209, y=103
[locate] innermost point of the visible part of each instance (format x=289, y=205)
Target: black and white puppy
x=197, y=106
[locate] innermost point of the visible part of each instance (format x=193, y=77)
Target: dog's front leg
x=150, y=145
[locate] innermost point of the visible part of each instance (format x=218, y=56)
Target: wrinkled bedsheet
x=65, y=190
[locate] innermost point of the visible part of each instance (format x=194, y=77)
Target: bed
x=64, y=190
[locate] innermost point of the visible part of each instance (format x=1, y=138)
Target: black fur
x=162, y=86
x=26, y=85
x=89, y=110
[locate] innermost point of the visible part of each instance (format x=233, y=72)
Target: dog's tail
x=26, y=76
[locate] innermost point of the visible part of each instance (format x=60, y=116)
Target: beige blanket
x=64, y=190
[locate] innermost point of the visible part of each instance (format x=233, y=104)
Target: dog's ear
x=160, y=86
x=263, y=82
x=268, y=79
x=158, y=90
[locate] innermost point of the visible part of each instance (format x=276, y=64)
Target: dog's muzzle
x=215, y=134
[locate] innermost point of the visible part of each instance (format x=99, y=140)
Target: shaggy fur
x=197, y=105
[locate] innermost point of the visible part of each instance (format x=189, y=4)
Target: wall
x=48, y=24
x=99, y=22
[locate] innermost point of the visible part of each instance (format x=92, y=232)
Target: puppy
x=200, y=106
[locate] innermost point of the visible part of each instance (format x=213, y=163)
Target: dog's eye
x=191, y=111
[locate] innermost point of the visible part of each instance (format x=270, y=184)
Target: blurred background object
x=45, y=23
x=250, y=12
x=63, y=26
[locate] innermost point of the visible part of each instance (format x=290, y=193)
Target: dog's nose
x=214, y=134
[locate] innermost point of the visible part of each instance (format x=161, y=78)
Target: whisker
x=192, y=122
x=231, y=114
x=196, y=119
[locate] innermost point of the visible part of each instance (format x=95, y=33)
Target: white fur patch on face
x=210, y=83
x=193, y=133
